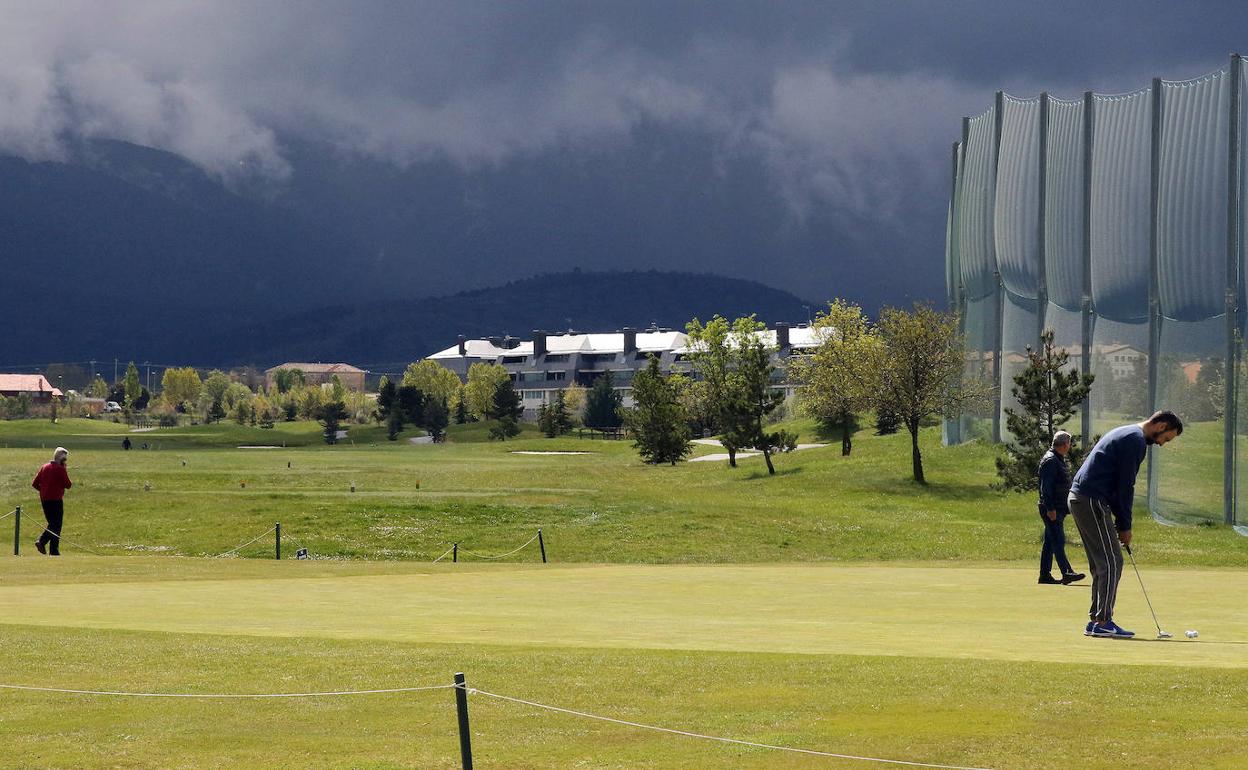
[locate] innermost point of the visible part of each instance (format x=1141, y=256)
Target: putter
x=1160, y=634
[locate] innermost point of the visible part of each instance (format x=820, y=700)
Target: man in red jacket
x=52, y=481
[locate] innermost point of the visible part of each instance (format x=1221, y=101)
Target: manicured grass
x=412, y=501
x=868, y=660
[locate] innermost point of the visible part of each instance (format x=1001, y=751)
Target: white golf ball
x=1192, y=634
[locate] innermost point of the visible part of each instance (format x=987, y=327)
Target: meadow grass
x=411, y=502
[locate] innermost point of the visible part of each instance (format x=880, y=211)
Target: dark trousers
x=54, y=512
x=1054, y=544
x=1100, y=540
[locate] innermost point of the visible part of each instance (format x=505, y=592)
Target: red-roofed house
x=33, y=385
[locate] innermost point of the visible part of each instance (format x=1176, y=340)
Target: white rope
x=7, y=515
x=244, y=545
x=443, y=556
x=473, y=690
x=225, y=695
x=70, y=542
x=501, y=555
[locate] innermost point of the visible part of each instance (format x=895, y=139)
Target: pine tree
x=507, y=409
x=1048, y=396
x=658, y=422
x=560, y=417
x=436, y=418
x=544, y=422
x=331, y=415
x=602, y=405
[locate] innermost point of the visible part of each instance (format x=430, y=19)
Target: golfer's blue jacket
x=1054, y=483
x=1108, y=473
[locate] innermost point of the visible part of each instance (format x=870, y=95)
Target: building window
x=556, y=358
x=558, y=376
x=534, y=395
x=514, y=359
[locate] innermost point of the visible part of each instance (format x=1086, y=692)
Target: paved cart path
x=954, y=612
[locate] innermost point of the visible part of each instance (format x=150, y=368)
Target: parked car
x=112, y=406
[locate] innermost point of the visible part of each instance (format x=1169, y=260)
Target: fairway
x=835, y=607
x=940, y=612
x=929, y=663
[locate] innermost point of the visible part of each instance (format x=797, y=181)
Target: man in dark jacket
x=1101, y=499
x=52, y=481
x=1054, y=487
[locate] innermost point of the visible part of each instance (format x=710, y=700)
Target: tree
x=921, y=372
x=212, y=395
x=658, y=421
x=560, y=419
x=180, y=386
x=461, y=407
x=434, y=380
x=602, y=405
x=436, y=418
x=411, y=402
x=507, y=409
x=1048, y=396
x=574, y=397
x=331, y=415
x=839, y=377
x=132, y=386
x=544, y=423
x=98, y=388
x=751, y=397
x=712, y=356
x=289, y=379
x=483, y=381
x=387, y=392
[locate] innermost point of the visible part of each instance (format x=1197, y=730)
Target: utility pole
x=93, y=371
x=114, y=371
x=148, y=364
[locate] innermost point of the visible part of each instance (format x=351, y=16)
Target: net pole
x=1154, y=299
x=1042, y=289
x=954, y=425
x=17, y=531
x=998, y=343
x=1089, y=317
x=1230, y=410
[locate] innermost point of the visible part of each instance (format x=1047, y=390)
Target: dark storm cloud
x=851, y=106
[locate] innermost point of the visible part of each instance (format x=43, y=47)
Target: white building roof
x=611, y=342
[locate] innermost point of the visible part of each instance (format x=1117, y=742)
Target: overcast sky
x=849, y=106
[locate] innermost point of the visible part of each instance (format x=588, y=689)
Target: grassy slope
x=605, y=506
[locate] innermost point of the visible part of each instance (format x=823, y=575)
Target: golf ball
x=1192, y=634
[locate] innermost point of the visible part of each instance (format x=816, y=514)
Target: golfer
x=52, y=481
x=1100, y=500
x=1054, y=488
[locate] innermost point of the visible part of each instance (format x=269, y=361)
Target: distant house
x=34, y=385
x=352, y=378
x=542, y=366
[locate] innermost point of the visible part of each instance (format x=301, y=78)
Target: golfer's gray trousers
x=1100, y=539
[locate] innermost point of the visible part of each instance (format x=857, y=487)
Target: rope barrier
x=224, y=695
x=7, y=515
x=754, y=744
x=70, y=542
x=501, y=555
x=443, y=556
x=244, y=545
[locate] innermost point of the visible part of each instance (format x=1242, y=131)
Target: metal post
x=277, y=541
x=17, y=531
x=1042, y=290
x=541, y=544
x=1089, y=318
x=461, y=709
x=1230, y=411
x=998, y=343
x=1154, y=298
x=956, y=304
x=454, y=552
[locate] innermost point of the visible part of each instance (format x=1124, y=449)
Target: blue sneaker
x=1087, y=630
x=1120, y=632
x=1111, y=630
